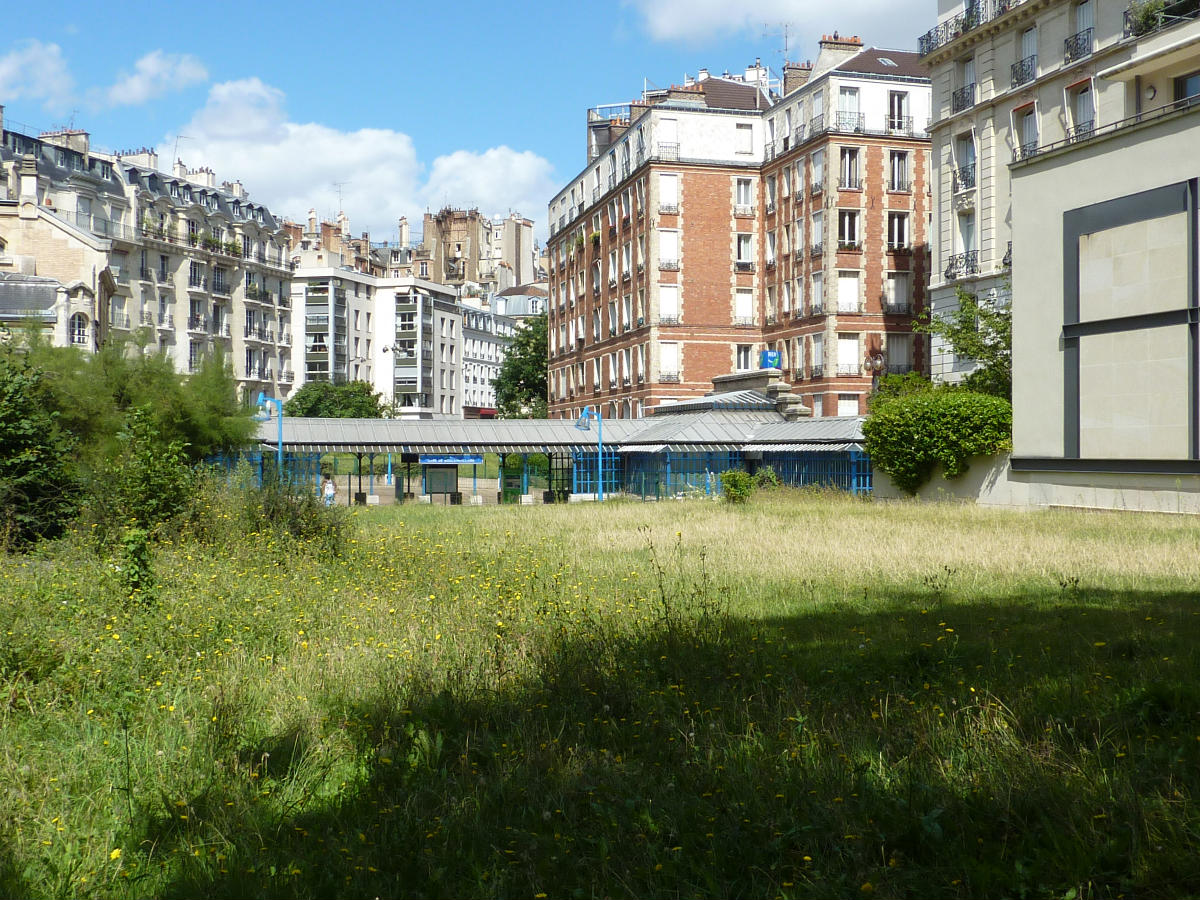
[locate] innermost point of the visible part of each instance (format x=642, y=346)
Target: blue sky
x=411, y=106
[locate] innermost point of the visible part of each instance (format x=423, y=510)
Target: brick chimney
x=795, y=75
x=836, y=42
x=835, y=50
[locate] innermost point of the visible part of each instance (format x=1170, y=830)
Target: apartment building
x=467, y=250
x=714, y=216
x=486, y=338
x=190, y=264
x=1106, y=279
x=1008, y=76
x=844, y=206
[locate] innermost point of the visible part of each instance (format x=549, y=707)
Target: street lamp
x=584, y=424
x=264, y=416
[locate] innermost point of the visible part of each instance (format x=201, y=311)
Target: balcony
x=1027, y=150
x=899, y=248
x=901, y=368
x=668, y=378
x=900, y=186
x=1145, y=18
x=197, y=323
x=669, y=319
x=963, y=264
x=770, y=207
x=849, y=121
x=817, y=185
x=963, y=98
x=849, y=369
x=850, y=307
x=744, y=210
x=964, y=178
x=818, y=249
x=286, y=376
x=1081, y=131
x=1024, y=71
x=222, y=288
x=771, y=319
x=668, y=265
x=612, y=283
x=166, y=321
x=849, y=182
x=817, y=371
x=743, y=265
x=849, y=246
x=222, y=330
x=1078, y=46
x=896, y=308
x=771, y=264
x=285, y=339
x=743, y=321
x=973, y=16
x=668, y=151
x=197, y=283
x=817, y=308
x=668, y=209
x=900, y=125
x=146, y=273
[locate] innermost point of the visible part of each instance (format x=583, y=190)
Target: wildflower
x=116, y=854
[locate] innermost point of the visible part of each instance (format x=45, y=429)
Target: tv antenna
x=175, y=152
x=783, y=28
x=339, y=185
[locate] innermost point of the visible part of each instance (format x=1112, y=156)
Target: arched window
x=79, y=329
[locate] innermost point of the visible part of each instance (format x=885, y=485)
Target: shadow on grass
x=1028, y=746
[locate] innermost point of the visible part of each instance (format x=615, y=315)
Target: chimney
x=795, y=75
x=27, y=186
x=312, y=222
x=179, y=169
x=836, y=42
x=343, y=222
x=702, y=75
x=404, y=233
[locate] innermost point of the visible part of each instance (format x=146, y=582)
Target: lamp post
x=264, y=400
x=584, y=424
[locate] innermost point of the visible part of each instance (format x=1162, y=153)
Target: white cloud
x=243, y=132
x=882, y=23
x=36, y=71
x=155, y=74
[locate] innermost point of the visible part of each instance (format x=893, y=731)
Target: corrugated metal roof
x=824, y=428
x=744, y=400
x=800, y=447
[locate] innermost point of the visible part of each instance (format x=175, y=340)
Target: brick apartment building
x=713, y=219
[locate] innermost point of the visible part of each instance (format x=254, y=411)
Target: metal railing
x=963, y=98
x=818, y=249
x=962, y=264
x=1024, y=71
x=669, y=209
x=1146, y=18
x=668, y=151
x=849, y=121
x=850, y=182
x=743, y=265
x=1025, y=151
x=668, y=378
x=897, y=307
x=743, y=321
x=1081, y=131
x=900, y=186
x=849, y=369
x=974, y=15
x=743, y=209
x=899, y=124
x=668, y=265
x=964, y=177
x=817, y=370
x=1078, y=45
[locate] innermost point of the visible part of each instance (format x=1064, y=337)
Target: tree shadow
x=1028, y=746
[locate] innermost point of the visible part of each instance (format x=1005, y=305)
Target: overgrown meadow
x=804, y=696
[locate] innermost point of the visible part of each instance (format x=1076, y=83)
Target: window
x=818, y=293
x=744, y=138
x=818, y=231
x=818, y=405
x=818, y=355
x=745, y=248
x=668, y=250
x=848, y=176
x=848, y=236
x=742, y=358
x=899, y=353
x=668, y=303
x=743, y=307
x=1187, y=86
x=668, y=193
x=896, y=297
x=848, y=298
x=847, y=404
x=898, y=118
x=668, y=356
x=743, y=196
x=770, y=248
x=1083, y=112
x=79, y=329
x=897, y=230
x=1079, y=44
x=848, y=115
x=964, y=97
x=1028, y=131
x=848, y=356
x=964, y=152
x=898, y=171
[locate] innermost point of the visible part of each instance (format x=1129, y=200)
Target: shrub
x=37, y=488
x=906, y=437
x=766, y=477
x=736, y=486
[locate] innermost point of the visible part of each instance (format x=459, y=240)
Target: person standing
x=329, y=491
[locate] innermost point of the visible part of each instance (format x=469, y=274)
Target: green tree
x=38, y=488
x=981, y=331
x=521, y=384
x=325, y=400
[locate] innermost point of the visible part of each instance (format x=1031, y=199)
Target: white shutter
x=847, y=404
x=668, y=355
x=847, y=348
x=668, y=246
x=743, y=307
x=668, y=131
x=668, y=190
x=668, y=300
x=899, y=350
x=1083, y=16
x=847, y=292
x=1029, y=42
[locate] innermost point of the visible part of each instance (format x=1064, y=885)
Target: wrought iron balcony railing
x=963, y=264
x=1078, y=45
x=964, y=177
x=963, y=98
x=1024, y=70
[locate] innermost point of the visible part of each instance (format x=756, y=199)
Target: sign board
x=769, y=359
x=451, y=459
x=441, y=479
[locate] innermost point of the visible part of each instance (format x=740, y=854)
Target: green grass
x=808, y=696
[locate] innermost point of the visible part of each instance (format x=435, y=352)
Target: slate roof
x=720, y=93
x=869, y=62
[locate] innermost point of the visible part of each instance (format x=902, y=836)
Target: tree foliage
x=38, y=487
x=521, y=384
x=980, y=331
x=909, y=435
x=326, y=400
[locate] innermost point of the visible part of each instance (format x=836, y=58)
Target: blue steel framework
x=848, y=470
x=299, y=468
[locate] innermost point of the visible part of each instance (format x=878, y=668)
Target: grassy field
x=810, y=696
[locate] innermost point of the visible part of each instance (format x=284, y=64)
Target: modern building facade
x=1008, y=76
x=714, y=217
x=1106, y=280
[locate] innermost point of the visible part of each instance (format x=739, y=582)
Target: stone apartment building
x=467, y=250
x=189, y=264
x=1007, y=76
x=714, y=219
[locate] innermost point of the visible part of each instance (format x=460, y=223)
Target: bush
x=906, y=437
x=766, y=477
x=736, y=486
x=37, y=487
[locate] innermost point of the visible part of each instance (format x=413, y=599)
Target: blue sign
x=769, y=359
x=451, y=459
